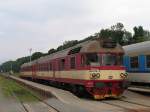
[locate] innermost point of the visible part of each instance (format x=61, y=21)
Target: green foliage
x=115, y=32
x=140, y=35
x=6, y=67
x=14, y=65
x=51, y=51
x=10, y=87
x=67, y=44
x=36, y=55
x=138, y=31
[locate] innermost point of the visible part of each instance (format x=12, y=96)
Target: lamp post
x=30, y=50
x=11, y=68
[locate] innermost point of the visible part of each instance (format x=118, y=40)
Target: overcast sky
x=45, y=24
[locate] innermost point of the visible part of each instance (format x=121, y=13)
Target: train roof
x=90, y=46
x=137, y=49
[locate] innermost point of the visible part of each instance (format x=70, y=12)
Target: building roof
x=137, y=49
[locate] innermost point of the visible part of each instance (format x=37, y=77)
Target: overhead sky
x=45, y=24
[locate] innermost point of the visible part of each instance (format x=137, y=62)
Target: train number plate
x=94, y=74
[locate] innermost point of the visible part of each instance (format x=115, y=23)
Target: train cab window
x=72, y=63
x=92, y=59
x=109, y=59
x=148, y=61
x=134, y=62
x=120, y=60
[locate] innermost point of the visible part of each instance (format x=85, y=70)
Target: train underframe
x=102, y=90
x=96, y=89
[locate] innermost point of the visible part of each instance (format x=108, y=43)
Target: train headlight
x=123, y=75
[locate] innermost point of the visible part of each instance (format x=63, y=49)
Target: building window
x=148, y=61
x=72, y=62
x=134, y=62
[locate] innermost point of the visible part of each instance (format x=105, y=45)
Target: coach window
x=50, y=66
x=134, y=62
x=148, y=61
x=62, y=64
x=72, y=62
x=82, y=60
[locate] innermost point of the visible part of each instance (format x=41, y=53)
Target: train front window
x=96, y=59
x=109, y=59
x=120, y=59
x=92, y=59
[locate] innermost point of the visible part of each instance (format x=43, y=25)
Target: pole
x=11, y=66
x=30, y=50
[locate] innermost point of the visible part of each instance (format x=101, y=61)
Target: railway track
x=127, y=105
x=134, y=103
x=28, y=107
x=19, y=101
x=123, y=104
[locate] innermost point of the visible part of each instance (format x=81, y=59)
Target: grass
x=16, y=74
x=10, y=88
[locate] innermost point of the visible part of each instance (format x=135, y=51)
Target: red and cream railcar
x=95, y=66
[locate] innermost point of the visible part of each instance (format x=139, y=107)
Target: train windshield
x=94, y=59
x=109, y=59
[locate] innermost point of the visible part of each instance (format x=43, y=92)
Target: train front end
x=106, y=82
x=106, y=73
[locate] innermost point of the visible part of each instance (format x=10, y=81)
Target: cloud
x=45, y=24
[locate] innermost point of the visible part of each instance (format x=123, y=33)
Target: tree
x=140, y=34
x=147, y=34
x=36, y=55
x=115, y=32
x=51, y=51
x=117, y=27
x=138, y=31
x=105, y=33
x=127, y=38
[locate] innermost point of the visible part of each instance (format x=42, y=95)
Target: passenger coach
x=93, y=66
x=137, y=62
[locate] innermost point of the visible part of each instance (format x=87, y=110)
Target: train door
x=53, y=67
x=33, y=71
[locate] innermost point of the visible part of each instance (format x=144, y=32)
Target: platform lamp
x=30, y=50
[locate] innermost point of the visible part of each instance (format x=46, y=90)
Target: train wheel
x=78, y=90
x=73, y=89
